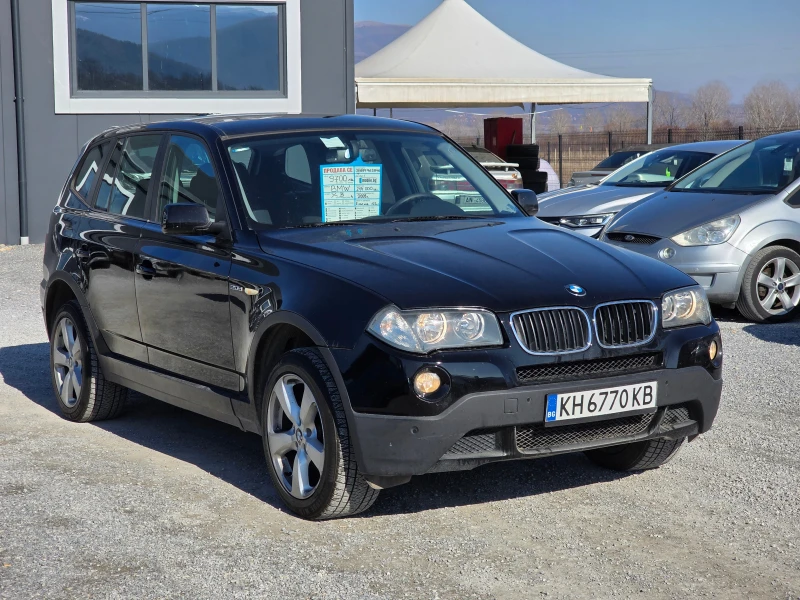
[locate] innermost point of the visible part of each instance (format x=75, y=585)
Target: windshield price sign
x=351, y=191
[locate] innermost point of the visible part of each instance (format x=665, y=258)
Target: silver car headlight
x=586, y=221
x=688, y=306
x=423, y=331
x=710, y=234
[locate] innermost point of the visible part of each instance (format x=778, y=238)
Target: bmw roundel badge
x=576, y=290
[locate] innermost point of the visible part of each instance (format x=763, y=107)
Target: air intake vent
x=604, y=367
x=625, y=324
x=633, y=238
x=552, y=330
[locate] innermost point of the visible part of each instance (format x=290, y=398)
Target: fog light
x=712, y=350
x=426, y=383
x=667, y=253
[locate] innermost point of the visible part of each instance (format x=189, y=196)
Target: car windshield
x=658, y=169
x=616, y=160
x=765, y=166
x=325, y=178
x=482, y=155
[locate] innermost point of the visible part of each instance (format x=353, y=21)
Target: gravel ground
x=166, y=504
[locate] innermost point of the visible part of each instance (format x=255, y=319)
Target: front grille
x=603, y=367
x=633, y=238
x=474, y=443
x=552, y=330
x=675, y=416
x=621, y=324
x=538, y=437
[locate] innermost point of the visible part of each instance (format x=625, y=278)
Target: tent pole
x=533, y=122
x=374, y=112
x=391, y=113
x=650, y=114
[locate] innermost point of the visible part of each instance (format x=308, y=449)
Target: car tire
x=636, y=456
x=82, y=392
x=754, y=295
x=337, y=489
x=526, y=163
x=522, y=150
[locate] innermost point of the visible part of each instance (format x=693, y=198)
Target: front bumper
x=492, y=426
x=718, y=269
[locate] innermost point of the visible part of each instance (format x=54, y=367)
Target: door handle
x=145, y=269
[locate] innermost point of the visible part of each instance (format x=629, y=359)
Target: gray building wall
x=53, y=141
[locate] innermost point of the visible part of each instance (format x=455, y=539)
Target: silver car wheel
x=778, y=286
x=68, y=362
x=295, y=437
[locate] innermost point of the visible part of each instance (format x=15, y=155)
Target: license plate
x=598, y=403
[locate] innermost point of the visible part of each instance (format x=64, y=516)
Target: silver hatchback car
x=732, y=224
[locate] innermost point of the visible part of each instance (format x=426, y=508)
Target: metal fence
x=581, y=151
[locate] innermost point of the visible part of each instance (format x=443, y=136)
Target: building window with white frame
x=174, y=56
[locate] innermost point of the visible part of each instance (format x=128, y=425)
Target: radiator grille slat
x=538, y=437
x=633, y=238
x=586, y=369
x=552, y=330
x=624, y=324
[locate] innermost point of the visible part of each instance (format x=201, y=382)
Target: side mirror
x=188, y=219
x=527, y=200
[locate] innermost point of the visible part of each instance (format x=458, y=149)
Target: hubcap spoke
x=766, y=281
x=300, y=485
x=65, y=335
x=281, y=443
x=308, y=408
x=60, y=358
x=786, y=301
x=769, y=300
x=66, y=388
x=77, y=380
x=288, y=401
x=780, y=267
x=316, y=452
x=792, y=281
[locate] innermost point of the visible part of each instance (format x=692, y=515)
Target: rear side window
x=87, y=174
x=127, y=178
x=188, y=176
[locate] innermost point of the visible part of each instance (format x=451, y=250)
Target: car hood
x=670, y=213
x=500, y=265
x=590, y=199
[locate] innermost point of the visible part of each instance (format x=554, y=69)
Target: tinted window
x=658, y=169
x=765, y=166
x=248, y=47
x=87, y=174
x=616, y=160
x=108, y=46
x=484, y=156
x=179, y=46
x=364, y=176
x=109, y=176
x=132, y=183
x=188, y=176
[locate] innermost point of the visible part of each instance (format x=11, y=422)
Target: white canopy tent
x=455, y=57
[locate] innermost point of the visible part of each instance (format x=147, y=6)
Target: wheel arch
x=773, y=233
x=62, y=289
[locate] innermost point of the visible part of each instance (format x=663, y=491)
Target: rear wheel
x=82, y=391
x=307, y=442
x=771, y=286
x=637, y=456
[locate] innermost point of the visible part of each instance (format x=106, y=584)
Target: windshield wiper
x=440, y=218
x=330, y=224
x=644, y=184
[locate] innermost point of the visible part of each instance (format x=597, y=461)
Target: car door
x=182, y=280
x=110, y=237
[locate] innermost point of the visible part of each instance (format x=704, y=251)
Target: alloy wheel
x=295, y=436
x=68, y=362
x=778, y=286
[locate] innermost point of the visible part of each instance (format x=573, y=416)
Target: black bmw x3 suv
x=362, y=294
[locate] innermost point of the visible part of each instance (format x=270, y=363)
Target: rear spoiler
x=500, y=165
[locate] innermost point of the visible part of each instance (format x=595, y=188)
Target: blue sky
x=681, y=44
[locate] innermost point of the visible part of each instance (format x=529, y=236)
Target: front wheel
x=636, y=456
x=771, y=286
x=307, y=443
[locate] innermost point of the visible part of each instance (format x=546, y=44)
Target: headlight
x=688, y=306
x=571, y=183
x=424, y=331
x=586, y=221
x=709, y=234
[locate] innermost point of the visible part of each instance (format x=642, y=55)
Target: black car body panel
x=191, y=320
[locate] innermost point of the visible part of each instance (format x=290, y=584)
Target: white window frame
x=66, y=103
